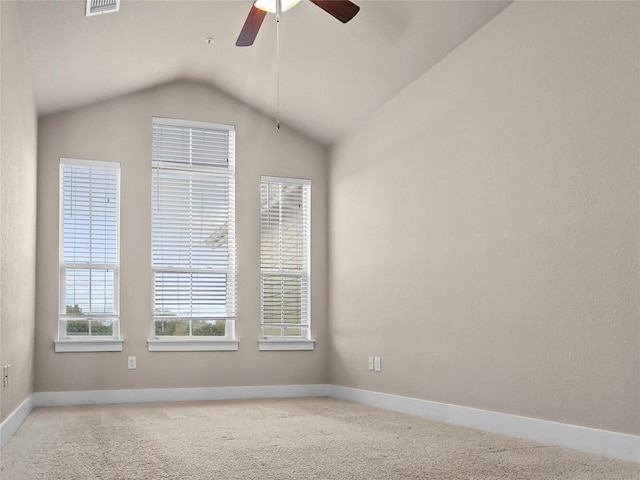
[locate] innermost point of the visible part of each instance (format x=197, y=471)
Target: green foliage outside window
x=200, y=328
x=87, y=325
x=74, y=309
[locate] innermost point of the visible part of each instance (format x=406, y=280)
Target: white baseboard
x=611, y=444
x=95, y=397
x=602, y=442
x=12, y=423
x=90, y=397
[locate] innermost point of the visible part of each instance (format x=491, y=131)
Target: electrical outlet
x=370, y=363
x=376, y=364
x=131, y=363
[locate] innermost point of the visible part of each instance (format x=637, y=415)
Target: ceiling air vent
x=98, y=7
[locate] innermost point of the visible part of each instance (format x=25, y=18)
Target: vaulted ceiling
x=331, y=75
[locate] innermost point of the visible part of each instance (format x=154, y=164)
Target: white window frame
x=305, y=341
x=228, y=342
x=71, y=343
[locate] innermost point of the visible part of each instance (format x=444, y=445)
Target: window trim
x=70, y=343
x=229, y=342
x=86, y=345
x=266, y=343
x=178, y=122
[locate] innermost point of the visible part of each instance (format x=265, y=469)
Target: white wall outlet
x=131, y=363
x=370, y=363
x=377, y=366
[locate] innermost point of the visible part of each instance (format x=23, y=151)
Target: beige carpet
x=316, y=438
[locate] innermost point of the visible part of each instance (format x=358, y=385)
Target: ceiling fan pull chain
x=278, y=10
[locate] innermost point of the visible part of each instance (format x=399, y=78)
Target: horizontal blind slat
x=193, y=222
x=284, y=257
x=89, y=197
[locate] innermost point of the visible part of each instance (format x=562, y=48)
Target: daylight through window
x=89, y=218
x=285, y=257
x=193, y=229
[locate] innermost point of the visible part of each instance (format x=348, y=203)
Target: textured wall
x=18, y=126
x=484, y=231
x=120, y=130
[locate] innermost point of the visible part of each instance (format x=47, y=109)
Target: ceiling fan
x=343, y=10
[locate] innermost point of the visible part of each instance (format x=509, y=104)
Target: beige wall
x=484, y=224
x=120, y=130
x=17, y=213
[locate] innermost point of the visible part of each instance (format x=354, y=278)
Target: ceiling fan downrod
x=343, y=10
x=278, y=10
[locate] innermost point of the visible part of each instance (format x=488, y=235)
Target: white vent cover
x=98, y=7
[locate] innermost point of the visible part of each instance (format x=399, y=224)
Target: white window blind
x=285, y=257
x=89, y=263
x=193, y=229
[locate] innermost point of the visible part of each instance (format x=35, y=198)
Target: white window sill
x=272, y=344
x=191, y=345
x=88, y=345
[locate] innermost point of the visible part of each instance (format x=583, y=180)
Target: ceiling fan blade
x=251, y=27
x=343, y=10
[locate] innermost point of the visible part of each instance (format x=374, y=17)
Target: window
x=285, y=264
x=89, y=259
x=193, y=236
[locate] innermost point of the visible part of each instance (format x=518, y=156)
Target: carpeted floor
x=315, y=438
